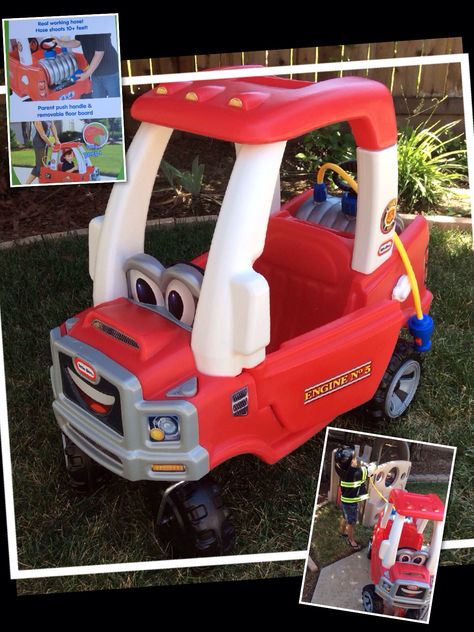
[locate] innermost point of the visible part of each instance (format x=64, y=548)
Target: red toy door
x=330, y=370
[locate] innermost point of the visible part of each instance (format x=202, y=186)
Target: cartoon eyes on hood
x=410, y=556
x=176, y=288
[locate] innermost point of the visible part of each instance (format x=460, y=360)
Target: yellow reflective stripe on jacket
x=357, y=499
x=354, y=484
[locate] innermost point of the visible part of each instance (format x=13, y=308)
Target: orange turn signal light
x=168, y=467
x=157, y=434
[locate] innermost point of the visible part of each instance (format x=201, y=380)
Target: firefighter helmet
x=344, y=456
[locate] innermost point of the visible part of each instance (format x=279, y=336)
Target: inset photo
x=64, y=105
x=51, y=59
x=65, y=152
x=378, y=525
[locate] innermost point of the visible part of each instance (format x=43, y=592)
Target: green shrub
x=13, y=140
x=431, y=159
x=428, y=165
x=69, y=136
x=189, y=181
x=333, y=143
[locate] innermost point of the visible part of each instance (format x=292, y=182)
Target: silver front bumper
x=398, y=601
x=132, y=454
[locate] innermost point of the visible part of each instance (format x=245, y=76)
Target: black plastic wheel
x=196, y=521
x=371, y=601
x=416, y=613
x=84, y=474
x=399, y=384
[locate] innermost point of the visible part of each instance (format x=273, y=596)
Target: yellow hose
x=396, y=239
x=411, y=275
x=379, y=493
x=330, y=165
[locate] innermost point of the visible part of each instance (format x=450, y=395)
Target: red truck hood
x=156, y=350
x=406, y=573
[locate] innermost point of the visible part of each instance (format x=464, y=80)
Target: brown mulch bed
x=26, y=211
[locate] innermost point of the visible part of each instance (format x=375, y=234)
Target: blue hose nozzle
x=421, y=330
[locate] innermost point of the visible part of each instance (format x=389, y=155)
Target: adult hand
x=371, y=468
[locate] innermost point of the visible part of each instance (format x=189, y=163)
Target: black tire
x=371, y=601
x=84, y=474
x=416, y=613
x=196, y=521
x=405, y=363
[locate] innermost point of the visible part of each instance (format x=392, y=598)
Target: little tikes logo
x=385, y=247
x=337, y=382
x=85, y=369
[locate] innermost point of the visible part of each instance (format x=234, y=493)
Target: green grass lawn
x=441, y=489
x=44, y=283
x=326, y=541
x=109, y=163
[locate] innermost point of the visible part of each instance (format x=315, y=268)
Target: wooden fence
x=417, y=90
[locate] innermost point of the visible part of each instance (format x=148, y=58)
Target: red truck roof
x=259, y=110
x=424, y=506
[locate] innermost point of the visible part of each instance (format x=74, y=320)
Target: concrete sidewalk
x=340, y=584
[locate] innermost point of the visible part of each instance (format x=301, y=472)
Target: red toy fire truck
x=43, y=71
x=401, y=567
x=292, y=318
x=51, y=171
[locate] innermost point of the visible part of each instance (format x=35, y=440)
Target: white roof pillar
x=232, y=324
x=123, y=231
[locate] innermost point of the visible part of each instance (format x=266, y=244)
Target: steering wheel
x=48, y=40
x=349, y=165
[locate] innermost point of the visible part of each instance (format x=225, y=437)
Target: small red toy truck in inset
x=51, y=170
x=401, y=566
x=292, y=318
x=43, y=71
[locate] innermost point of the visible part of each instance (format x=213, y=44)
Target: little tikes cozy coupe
x=51, y=171
x=292, y=318
x=401, y=567
x=44, y=71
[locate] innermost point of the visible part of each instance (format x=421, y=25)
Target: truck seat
x=308, y=271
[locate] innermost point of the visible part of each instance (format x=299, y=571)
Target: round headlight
x=168, y=425
x=164, y=428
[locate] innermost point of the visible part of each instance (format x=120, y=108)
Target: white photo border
x=449, y=544
x=15, y=571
